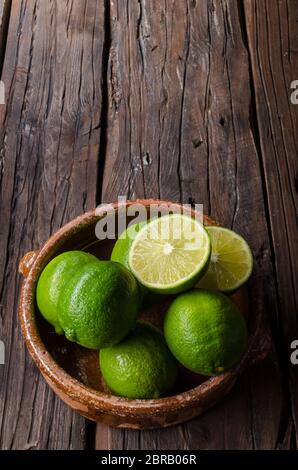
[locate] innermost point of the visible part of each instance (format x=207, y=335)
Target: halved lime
x=170, y=254
x=231, y=261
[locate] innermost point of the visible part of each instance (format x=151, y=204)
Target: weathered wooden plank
x=4, y=19
x=180, y=128
x=50, y=136
x=273, y=46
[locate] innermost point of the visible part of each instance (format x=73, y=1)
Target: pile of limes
x=96, y=303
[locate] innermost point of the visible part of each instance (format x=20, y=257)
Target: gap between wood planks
x=5, y=6
x=105, y=100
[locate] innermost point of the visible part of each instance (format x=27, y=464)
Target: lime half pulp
x=170, y=254
x=231, y=261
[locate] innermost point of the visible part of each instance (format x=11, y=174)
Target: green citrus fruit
x=99, y=305
x=205, y=331
x=170, y=254
x=120, y=254
x=141, y=366
x=231, y=261
x=123, y=244
x=54, y=278
x=121, y=249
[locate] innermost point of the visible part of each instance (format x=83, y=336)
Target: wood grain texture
x=180, y=127
x=186, y=101
x=50, y=136
x=273, y=45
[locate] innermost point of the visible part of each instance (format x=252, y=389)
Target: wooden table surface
x=187, y=100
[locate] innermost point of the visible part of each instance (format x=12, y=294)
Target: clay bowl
x=73, y=372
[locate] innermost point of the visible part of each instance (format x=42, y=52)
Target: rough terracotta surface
x=73, y=373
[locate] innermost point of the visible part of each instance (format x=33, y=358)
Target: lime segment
x=170, y=254
x=231, y=261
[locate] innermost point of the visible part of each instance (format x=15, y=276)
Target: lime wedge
x=170, y=254
x=231, y=261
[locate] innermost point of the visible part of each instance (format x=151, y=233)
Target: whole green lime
x=205, y=331
x=54, y=278
x=98, y=306
x=122, y=246
x=120, y=254
x=141, y=366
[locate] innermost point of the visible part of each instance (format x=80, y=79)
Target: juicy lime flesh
x=169, y=254
x=205, y=331
x=141, y=366
x=231, y=261
x=54, y=278
x=99, y=305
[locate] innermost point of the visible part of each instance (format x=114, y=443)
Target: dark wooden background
x=187, y=100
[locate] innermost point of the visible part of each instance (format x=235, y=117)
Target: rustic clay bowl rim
x=75, y=389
